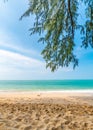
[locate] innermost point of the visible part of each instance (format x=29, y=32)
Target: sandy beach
x=46, y=111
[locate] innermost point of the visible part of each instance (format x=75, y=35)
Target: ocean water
x=46, y=85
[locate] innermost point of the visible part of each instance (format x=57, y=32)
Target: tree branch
x=71, y=17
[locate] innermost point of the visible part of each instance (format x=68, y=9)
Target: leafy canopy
x=57, y=20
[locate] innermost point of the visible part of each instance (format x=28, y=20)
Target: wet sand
x=46, y=111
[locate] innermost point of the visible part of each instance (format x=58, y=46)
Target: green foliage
x=57, y=19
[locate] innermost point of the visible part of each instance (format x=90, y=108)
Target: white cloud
x=14, y=64
x=17, y=60
x=17, y=66
x=9, y=41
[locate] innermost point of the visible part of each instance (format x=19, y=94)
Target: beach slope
x=46, y=111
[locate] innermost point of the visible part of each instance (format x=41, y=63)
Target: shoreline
x=44, y=94
x=44, y=97
x=48, y=91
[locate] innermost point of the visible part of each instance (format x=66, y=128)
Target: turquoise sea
x=45, y=85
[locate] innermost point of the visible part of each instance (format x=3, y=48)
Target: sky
x=20, y=53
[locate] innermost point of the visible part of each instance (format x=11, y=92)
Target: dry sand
x=46, y=111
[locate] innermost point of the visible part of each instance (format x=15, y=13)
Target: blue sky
x=20, y=54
